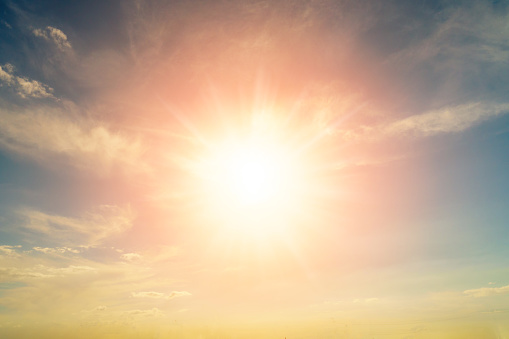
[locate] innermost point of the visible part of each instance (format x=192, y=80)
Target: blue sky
x=131, y=133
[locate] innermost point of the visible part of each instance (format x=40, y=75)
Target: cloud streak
x=40, y=271
x=47, y=132
x=91, y=229
x=446, y=120
x=158, y=295
x=487, y=291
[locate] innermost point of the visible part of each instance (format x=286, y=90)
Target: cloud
x=155, y=295
x=40, y=271
x=487, y=291
x=23, y=86
x=6, y=74
x=33, y=88
x=158, y=295
x=446, y=120
x=9, y=250
x=92, y=228
x=131, y=257
x=56, y=250
x=155, y=312
x=44, y=133
x=55, y=35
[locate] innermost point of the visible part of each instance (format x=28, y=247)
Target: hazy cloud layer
x=158, y=295
x=40, y=271
x=9, y=250
x=44, y=133
x=462, y=36
x=91, y=229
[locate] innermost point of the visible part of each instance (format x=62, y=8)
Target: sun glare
x=251, y=187
x=250, y=174
x=254, y=175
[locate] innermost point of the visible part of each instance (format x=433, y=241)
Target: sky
x=254, y=169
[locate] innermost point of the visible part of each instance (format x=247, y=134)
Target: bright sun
x=251, y=186
x=254, y=176
x=250, y=174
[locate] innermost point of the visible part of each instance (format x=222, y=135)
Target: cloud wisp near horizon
x=254, y=169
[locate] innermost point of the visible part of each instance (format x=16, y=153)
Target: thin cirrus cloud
x=9, y=274
x=130, y=257
x=91, y=229
x=56, y=250
x=44, y=133
x=467, y=34
x=487, y=291
x=24, y=87
x=158, y=295
x=446, y=120
x=154, y=312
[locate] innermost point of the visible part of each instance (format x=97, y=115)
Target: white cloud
x=92, y=228
x=48, y=132
x=55, y=35
x=487, y=291
x=155, y=312
x=176, y=294
x=158, y=295
x=23, y=86
x=33, y=88
x=131, y=257
x=446, y=120
x=55, y=250
x=154, y=295
x=5, y=74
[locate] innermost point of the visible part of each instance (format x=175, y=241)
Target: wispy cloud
x=55, y=35
x=92, y=228
x=158, y=295
x=23, y=86
x=65, y=284
x=487, y=291
x=56, y=250
x=154, y=312
x=40, y=271
x=446, y=120
x=47, y=132
x=130, y=257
